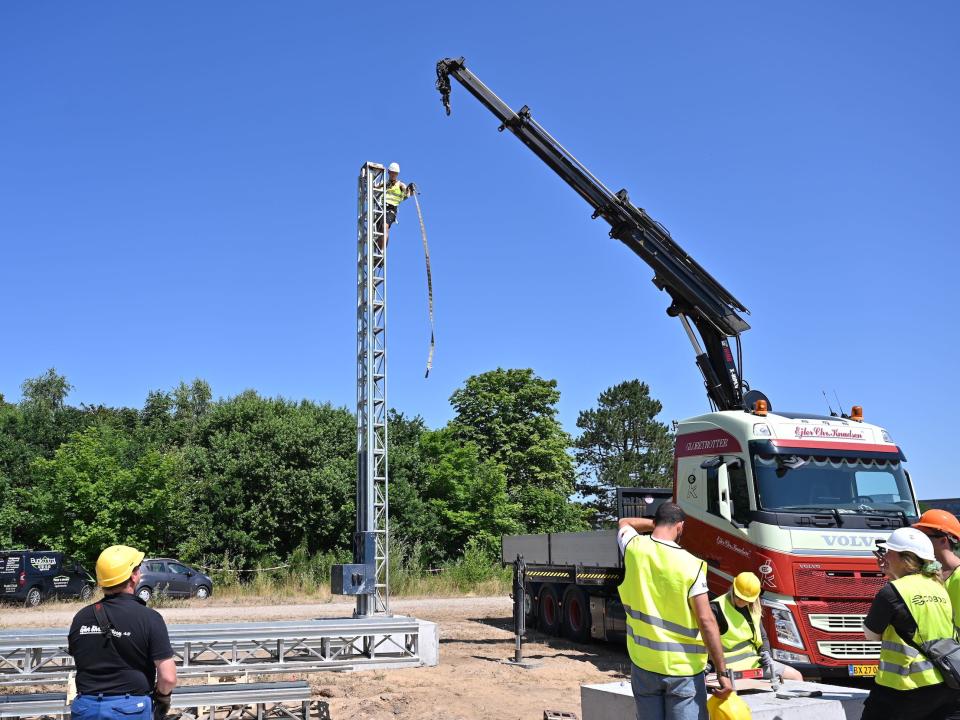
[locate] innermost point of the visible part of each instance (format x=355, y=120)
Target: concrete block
x=614, y=701
x=429, y=643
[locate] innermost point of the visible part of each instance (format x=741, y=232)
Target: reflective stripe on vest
x=741, y=642
x=396, y=193
x=902, y=667
x=662, y=631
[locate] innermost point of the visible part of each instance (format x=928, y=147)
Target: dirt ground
x=471, y=682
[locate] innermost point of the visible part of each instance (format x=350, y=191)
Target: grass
x=306, y=578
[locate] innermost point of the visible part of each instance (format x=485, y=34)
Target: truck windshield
x=806, y=483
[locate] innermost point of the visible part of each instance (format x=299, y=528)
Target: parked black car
x=172, y=578
x=32, y=576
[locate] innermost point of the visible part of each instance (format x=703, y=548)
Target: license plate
x=862, y=670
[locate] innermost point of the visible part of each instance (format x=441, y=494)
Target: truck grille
x=838, y=583
x=849, y=649
x=834, y=630
x=836, y=623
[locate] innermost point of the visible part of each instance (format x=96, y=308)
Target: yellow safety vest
x=952, y=585
x=396, y=193
x=901, y=666
x=662, y=631
x=741, y=642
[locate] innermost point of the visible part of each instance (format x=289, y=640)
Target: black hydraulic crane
x=696, y=297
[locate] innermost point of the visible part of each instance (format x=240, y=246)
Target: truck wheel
x=86, y=592
x=576, y=614
x=549, y=615
x=34, y=597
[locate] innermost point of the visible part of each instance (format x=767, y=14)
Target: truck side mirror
x=723, y=492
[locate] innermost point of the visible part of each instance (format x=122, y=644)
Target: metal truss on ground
x=247, y=701
x=31, y=656
x=372, y=485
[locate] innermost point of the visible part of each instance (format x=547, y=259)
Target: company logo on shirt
x=924, y=599
x=95, y=630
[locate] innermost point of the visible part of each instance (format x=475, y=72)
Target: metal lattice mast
x=372, y=495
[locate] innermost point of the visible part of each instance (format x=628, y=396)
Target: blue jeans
x=111, y=707
x=662, y=697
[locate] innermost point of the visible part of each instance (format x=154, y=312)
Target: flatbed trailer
x=571, y=578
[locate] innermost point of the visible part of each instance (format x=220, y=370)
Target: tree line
x=251, y=480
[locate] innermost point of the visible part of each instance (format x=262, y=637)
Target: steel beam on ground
x=242, y=700
x=306, y=646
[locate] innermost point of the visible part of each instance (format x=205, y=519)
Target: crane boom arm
x=696, y=297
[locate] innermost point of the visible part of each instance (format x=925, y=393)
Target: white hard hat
x=394, y=167
x=908, y=539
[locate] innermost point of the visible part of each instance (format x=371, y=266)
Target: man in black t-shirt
x=120, y=647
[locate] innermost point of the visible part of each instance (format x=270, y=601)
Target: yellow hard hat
x=115, y=565
x=746, y=586
x=732, y=707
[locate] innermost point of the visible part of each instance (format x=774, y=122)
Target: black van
x=32, y=576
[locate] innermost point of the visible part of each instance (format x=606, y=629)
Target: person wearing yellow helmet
x=120, y=647
x=739, y=617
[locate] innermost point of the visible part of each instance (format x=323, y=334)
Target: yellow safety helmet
x=732, y=707
x=746, y=586
x=116, y=564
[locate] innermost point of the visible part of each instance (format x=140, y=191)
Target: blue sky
x=177, y=198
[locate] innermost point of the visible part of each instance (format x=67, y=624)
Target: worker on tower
x=670, y=627
x=397, y=192
x=943, y=529
x=121, y=648
x=739, y=617
x=911, y=609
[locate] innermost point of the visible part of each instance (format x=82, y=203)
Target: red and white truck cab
x=800, y=500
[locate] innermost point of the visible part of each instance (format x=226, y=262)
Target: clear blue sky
x=177, y=198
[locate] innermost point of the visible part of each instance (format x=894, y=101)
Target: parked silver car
x=172, y=578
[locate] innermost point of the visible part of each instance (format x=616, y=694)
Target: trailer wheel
x=576, y=614
x=549, y=615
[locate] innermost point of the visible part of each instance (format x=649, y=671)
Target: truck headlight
x=784, y=624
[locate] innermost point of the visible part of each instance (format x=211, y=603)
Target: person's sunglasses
x=880, y=553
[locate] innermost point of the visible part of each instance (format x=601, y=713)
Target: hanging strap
x=426, y=255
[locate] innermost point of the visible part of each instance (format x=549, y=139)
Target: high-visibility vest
x=662, y=631
x=902, y=667
x=741, y=642
x=396, y=193
x=952, y=585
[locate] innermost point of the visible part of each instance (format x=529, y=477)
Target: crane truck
x=798, y=498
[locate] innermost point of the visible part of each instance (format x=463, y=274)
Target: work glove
x=161, y=705
x=766, y=662
x=411, y=188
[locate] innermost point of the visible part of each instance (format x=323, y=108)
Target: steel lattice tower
x=372, y=493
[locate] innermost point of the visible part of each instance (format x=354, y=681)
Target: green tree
x=511, y=416
x=98, y=490
x=266, y=476
x=32, y=429
x=466, y=495
x=622, y=445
